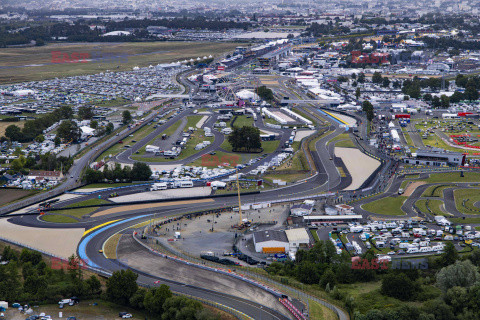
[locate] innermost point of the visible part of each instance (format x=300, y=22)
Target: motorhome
x=159, y=186
x=412, y=250
x=183, y=184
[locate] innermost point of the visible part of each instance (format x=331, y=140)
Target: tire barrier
x=293, y=310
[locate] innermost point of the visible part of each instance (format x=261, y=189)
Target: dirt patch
x=412, y=186
x=43, y=239
x=9, y=195
x=147, y=206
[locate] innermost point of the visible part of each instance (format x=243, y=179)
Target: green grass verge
x=315, y=235
x=449, y=177
x=243, y=121
x=76, y=212
x=89, y=202
x=57, y=218
x=320, y=312
x=466, y=220
x=433, y=191
x=473, y=196
x=434, y=205
x=390, y=206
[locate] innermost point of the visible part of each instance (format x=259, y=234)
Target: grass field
x=343, y=140
x=4, y=125
x=119, y=147
x=473, y=195
x=433, y=191
x=434, y=205
x=449, y=177
x=89, y=202
x=320, y=312
x=138, y=54
x=196, y=138
x=466, y=220
x=58, y=218
x=243, y=121
x=10, y=195
x=387, y=206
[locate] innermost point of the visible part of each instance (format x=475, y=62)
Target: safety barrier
x=217, y=270
x=107, y=189
x=293, y=310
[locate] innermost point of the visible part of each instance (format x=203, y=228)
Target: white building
x=297, y=237
x=271, y=241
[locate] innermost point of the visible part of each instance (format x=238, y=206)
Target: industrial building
x=271, y=241
x=436, y=157
x=302, y=209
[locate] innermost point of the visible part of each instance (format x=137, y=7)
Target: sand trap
x=201, y=122
x=43, y=239
x=359, y=165
x=303, y=134
x=164, y=194
x=147, y=206
x=351, y=121
x=411, y=188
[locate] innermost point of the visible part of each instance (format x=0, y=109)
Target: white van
x=425, y=249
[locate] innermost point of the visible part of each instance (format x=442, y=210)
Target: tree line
x=446, y=288
x=158, y=302
x=27, y=278
x=139, y=172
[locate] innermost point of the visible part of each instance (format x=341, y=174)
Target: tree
x=40, y=138
x=68, y=131
x=377, y=77
x=141, y=171
x=264, y=93
x=246, y=138
x=444, y=101
x=181, y=308
x=329, y=278
x=14, y=133
x=461, y=274
x=155, y=298
x=121, y=286
x=136, y=301
x=94, y=285
x=449, y=256
x=57, y=141
x=385, y=82
x=398, y=285
x=93, y=176
x=471, y=93
x=367, y=107
x=361, y=77
x=109, y=128
x=85, y=113
x=357, y=93
x=461, y=80
x=126, y=117
x=94, y=124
